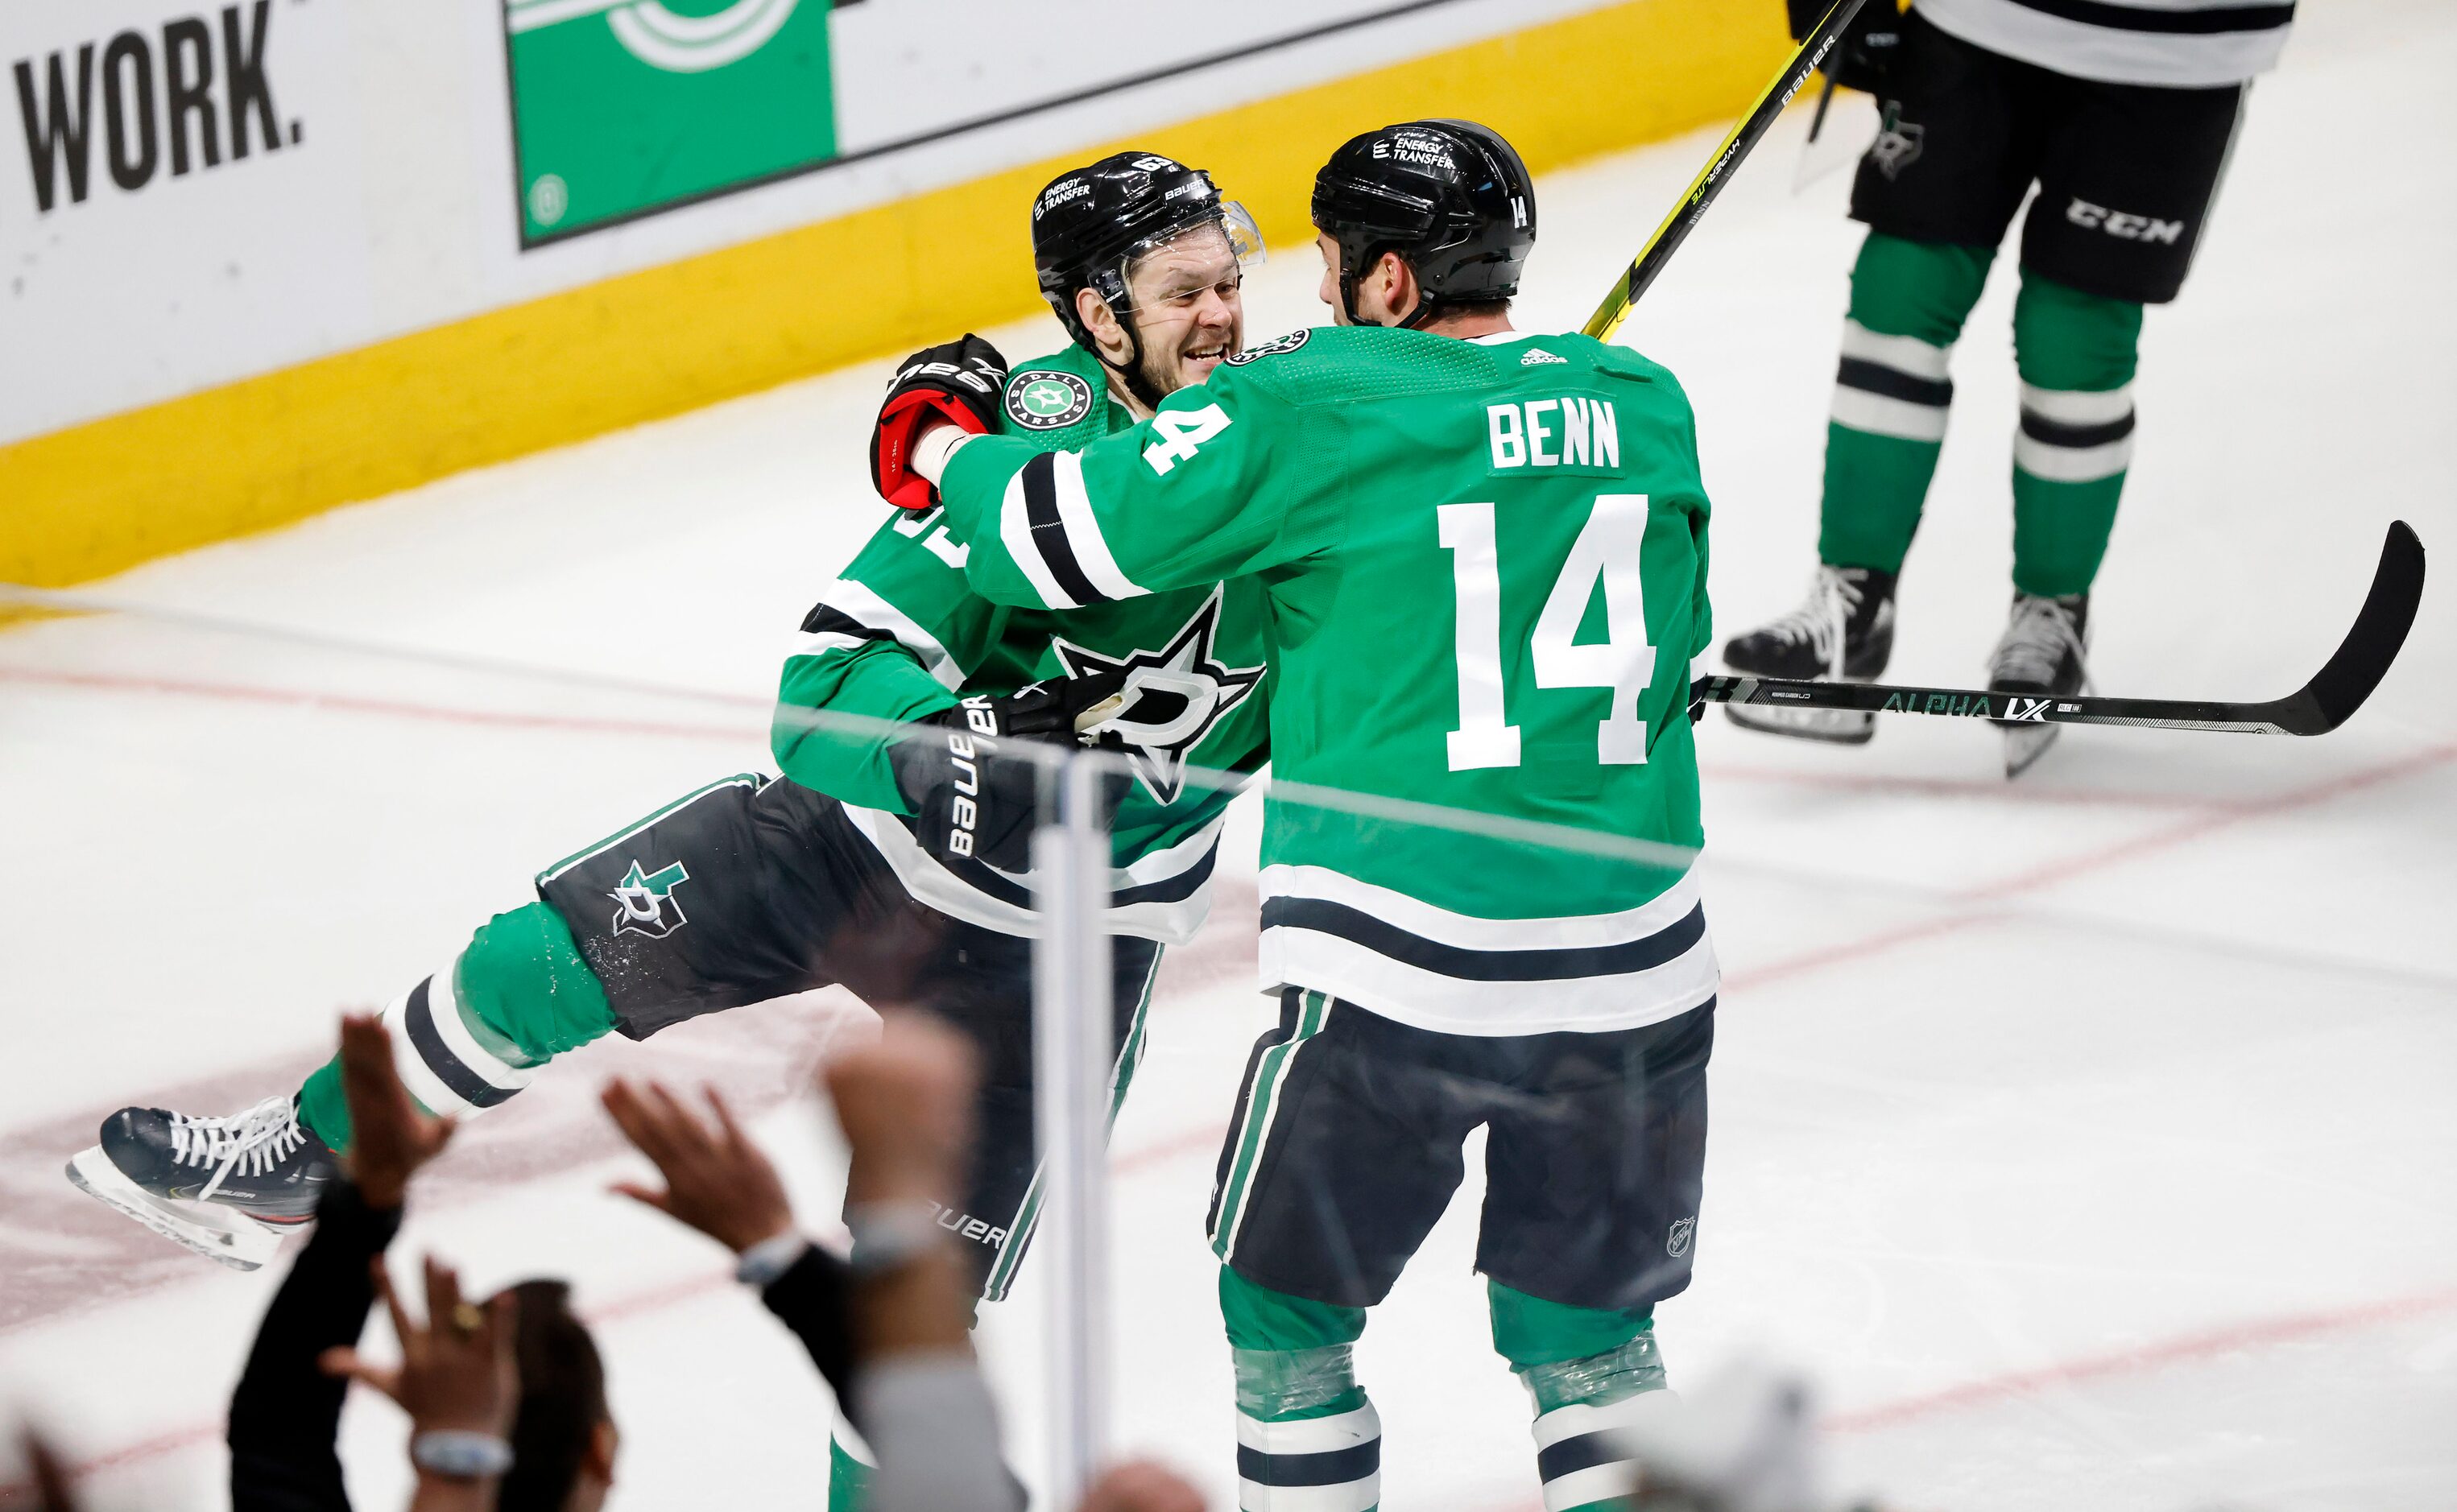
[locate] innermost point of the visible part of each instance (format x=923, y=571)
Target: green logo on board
x=623, y=107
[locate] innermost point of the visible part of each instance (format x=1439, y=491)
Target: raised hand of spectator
x=391, y=1136
x=1142, y=1486
x=47, y=1478
x=905, y=1101
x=457, y=1373
x=716, y=1179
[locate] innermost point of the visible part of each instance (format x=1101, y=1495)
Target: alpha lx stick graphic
x=2315, y=709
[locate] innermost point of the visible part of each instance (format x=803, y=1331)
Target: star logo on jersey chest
x=1181, y=693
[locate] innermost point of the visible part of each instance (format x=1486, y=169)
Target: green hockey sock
x=1308, y=1438
x=2076, y=353
x=849, y=1468
x=1590, y=1372
x=475, y=1032
x=1891, y=394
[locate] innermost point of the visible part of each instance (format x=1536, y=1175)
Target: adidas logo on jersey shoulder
x=1538, y=357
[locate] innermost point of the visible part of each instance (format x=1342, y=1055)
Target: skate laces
x=2036, y=641
x=1822, y=619
x=250, y=1143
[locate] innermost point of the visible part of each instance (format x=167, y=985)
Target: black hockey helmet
x=1452, y=198
x=1090, y=224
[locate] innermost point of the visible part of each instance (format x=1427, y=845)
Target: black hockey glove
x=1867, y=47
x=973, y=791
x=959, y=382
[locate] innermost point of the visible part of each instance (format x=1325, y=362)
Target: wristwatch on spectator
x=458, y=1455
x=770, y=1258
x=889, y=1234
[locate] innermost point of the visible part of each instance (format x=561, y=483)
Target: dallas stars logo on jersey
x=645, y=901
x=1181, y=691
x=1047, y=398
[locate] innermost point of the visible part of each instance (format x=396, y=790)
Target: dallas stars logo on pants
x=1181, y=691
x=645, y=902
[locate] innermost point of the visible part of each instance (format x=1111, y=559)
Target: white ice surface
x=2090, y=1139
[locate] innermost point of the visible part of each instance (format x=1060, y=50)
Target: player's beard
x=1167, y=372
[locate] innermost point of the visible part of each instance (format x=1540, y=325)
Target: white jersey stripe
x=1341, y=1430
x=1083, y=529
x=1904, y=353
x=1015, y=532
x=1469, y=932
x=424, y=1086
x=821, y=642
x=2113, y=53
x=861, y=603
x=1449, y=1005
x=1348, y=1496
x=1598, y=1483
x=443, y=1004
x=2079, y=406
x=1877, y=414
x=2052, y=463
x=1577, y=1418
x=930, y=882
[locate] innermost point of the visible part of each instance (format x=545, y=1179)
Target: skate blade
x=234, y=1239
x=2026, y=744
x=1836, y=727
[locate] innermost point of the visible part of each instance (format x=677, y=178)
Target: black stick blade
x=2364, y=657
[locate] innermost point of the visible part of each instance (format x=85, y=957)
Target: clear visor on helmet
x=1181, y=265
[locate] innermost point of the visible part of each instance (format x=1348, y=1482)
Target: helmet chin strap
x=1131, y=373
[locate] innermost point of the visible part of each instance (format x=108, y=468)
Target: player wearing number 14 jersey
x=1485, y=554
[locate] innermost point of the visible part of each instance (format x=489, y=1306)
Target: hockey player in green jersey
x=2125, y=117
x=850, y=866
x=1486, y=561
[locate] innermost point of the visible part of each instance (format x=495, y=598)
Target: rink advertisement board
x=621, y=108
x=624, y=109
x=258, y=257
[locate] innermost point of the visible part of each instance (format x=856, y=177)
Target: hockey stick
x=2315, y=709
x=1709, y=182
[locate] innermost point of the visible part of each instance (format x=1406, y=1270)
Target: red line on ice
x=2040, y=878
x=2259, y=1334
x=355, y=704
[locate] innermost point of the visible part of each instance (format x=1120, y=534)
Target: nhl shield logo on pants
x=1677, y=1242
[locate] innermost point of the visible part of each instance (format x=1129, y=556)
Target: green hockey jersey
x=1486, y=563
x=901, y=634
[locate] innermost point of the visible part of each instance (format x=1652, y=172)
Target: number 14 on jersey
x=1607, y=549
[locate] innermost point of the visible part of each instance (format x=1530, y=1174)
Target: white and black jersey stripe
x=1310, y=1464
x=1045, y=523
x=1162, y=896
x=2072, y=436
x=1454, y=973
x=2172, y=44
x=442, y=1061
x=851, y=614
x=1581, y=1453
x=1892, y=385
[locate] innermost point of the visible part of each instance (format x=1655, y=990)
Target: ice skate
x=228, y=1188
x=2040, y=655
x=1843, y=630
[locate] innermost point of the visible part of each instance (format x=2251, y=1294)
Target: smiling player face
x=1190, y=308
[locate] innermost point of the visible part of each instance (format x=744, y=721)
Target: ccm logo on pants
x=2124, y=224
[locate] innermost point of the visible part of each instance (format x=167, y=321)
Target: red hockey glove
x=958, y=383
